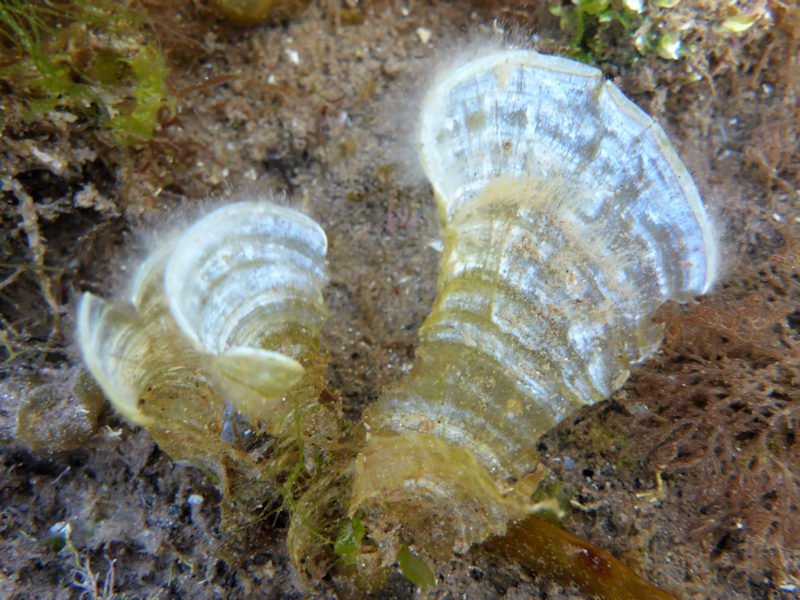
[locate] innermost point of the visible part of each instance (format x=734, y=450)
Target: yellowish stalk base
x=419, y=490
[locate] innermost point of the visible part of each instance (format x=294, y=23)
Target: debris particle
x=293, y=56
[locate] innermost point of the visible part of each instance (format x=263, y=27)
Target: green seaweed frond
x=588, y=21
x=348, y=542
x=139, y=119
x=414, y=568
x=622, y=30
x=97, y=60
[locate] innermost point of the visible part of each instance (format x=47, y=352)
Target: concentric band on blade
x=244, y=261
x=104, y=333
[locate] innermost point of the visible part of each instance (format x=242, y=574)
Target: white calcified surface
x=569, y=219
x=522, y=115
x=108, y=336
x=244, y=283
x=244, y=271
x=232, y=306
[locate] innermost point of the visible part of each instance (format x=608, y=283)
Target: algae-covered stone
x=55, y=415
